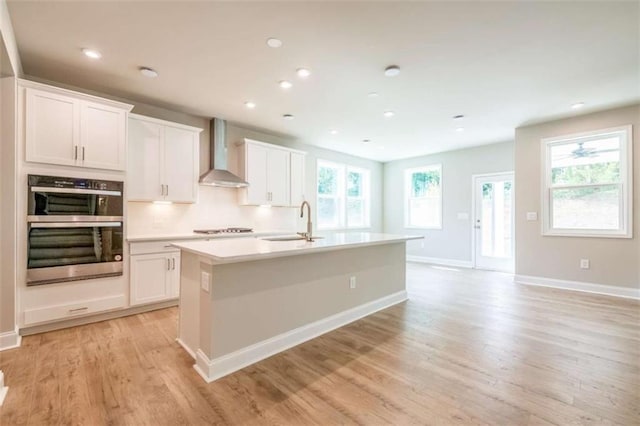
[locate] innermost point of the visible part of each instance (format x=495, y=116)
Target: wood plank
x=469, y=347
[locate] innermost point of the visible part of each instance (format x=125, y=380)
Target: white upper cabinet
x=163, y=161
x=73, y=129
x=297, y=178
x=103, y=132
x=268, y=169
x=144, y=179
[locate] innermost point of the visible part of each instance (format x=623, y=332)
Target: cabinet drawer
x=75, y=309
x=148, y=247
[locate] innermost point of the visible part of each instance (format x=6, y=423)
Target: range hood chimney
x=218, y=175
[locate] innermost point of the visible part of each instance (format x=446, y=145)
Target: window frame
x=407, y=191
x=342, y=196
x=626, y=184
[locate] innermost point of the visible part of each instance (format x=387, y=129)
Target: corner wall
x=452, y=244
x=614, y=261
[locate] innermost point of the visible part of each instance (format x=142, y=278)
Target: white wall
x=452, y=243
x=9, y=67
x=614, y=261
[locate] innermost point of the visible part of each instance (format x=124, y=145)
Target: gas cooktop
x=223, y=231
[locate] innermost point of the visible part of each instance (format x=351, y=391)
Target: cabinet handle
x=173, y=263
x=83, y=153
x=75, y=152
x=167, y=194
x=71, y=311
x=168, y=264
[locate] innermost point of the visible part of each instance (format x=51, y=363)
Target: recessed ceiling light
x=577, y=105
x=373, y=94
x=148, y=72
x=389, y=113
x=250, y=105
x=287, y=117
x=334, y=132
x=303, y=72
x=93, y=54
x=274, y=42
x=285, y=84
x=366, y=140
x=458, y=117
x=459, y=129
x=392, y=70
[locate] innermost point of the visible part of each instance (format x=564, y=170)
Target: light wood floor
x=469, y=347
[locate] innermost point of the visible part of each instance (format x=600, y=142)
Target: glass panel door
x=493, y=222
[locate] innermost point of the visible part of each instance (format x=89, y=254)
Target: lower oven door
x=69, y=251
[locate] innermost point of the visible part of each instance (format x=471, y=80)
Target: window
x=343, y=196
x=423, y=197
x=587, y=184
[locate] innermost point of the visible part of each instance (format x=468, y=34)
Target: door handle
x=476, y=226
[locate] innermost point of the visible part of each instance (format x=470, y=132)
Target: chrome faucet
x=307, y=235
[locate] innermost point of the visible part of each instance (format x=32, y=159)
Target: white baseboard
x=609, y=290
x=441, y=261
x=3, y=388
x=186, y=348
x=10, y=340
x=213, y=369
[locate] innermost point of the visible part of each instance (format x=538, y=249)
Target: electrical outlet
x=584, y=263
x=352, y=282
x=205, y=281
x=532, y=216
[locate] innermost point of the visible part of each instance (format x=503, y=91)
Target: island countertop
x=252, y=248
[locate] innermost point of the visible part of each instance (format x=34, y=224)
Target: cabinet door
x=52, y=131
x=256, y=174
x=144, y=161
x=102, y=136
x=278, y=177
x=297, y=178
x=150, y=278
x=175, y=275
x=180, y=165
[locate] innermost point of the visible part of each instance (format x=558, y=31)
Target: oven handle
x=75, y=191
x=77, y=225
x=73, y=218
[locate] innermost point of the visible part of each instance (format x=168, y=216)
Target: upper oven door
x=74, y=204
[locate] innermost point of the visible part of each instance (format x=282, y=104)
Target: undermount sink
x=288, y=238
x=284, y=238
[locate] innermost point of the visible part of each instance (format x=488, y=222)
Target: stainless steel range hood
x=219, y=175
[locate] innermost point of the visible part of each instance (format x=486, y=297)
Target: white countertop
x=194, y=236
x=247, y=249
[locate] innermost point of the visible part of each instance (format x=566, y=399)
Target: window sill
x=588, y=234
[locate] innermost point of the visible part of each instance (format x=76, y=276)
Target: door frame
x=474, y=177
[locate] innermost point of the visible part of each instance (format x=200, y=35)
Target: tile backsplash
x=216, y=208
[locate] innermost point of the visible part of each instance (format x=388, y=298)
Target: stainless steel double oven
x=74, y=229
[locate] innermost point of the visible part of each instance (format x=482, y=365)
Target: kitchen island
x=245, y=299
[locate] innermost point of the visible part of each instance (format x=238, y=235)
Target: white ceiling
x=501, y=64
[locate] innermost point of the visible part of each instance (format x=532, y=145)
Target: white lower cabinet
x=154, y=277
